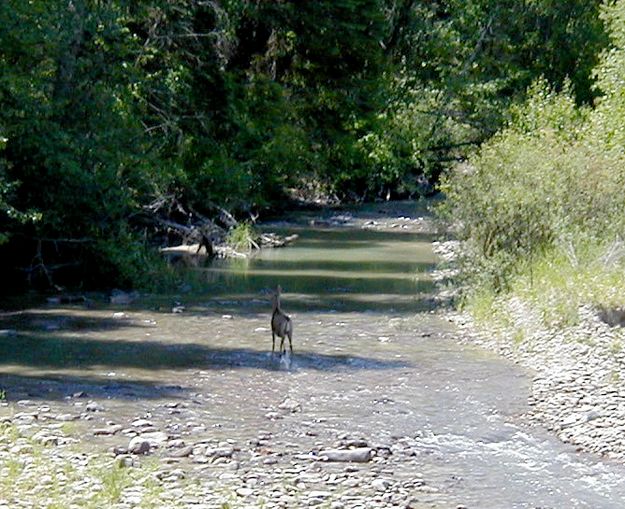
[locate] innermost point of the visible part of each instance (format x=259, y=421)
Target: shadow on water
x=256, y=304
x=346, y=270
x=57, y=352
x=37, y=321
x=335, y=265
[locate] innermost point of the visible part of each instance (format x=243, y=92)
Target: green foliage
x=110, y=107
x=115, y=479
x=537, y=205
x=242, y=237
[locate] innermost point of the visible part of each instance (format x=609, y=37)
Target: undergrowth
x=539, y=208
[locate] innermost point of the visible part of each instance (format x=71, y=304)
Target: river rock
x=380, y=484
x=142, y=423
x=291, y=405
x=109, y=430
x=92, y=406
x=138, y=445
x=124, y=460
x=183, y=452
x=155, y=438
x=220, y=452
x=45, y=439
x=358, y=455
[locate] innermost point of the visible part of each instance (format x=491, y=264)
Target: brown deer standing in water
x=281, y=324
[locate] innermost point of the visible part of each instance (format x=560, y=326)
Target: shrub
x=242, y=237
x=539, y=206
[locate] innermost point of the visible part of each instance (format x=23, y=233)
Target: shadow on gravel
x=47, y=351
x=57, y=387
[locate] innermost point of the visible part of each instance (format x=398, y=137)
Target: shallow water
x=371, y=361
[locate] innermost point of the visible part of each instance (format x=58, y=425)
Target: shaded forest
x=117, y=116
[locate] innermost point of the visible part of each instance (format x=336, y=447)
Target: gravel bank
x=41, y=466
x=577, y=388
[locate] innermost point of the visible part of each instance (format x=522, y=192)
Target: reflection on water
x=369, y=361
x=335, y=269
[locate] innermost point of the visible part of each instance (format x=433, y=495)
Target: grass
x=45, y=477
x=556, y=285
x=114, y=479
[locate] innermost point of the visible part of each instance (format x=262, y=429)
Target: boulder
x=357, y=455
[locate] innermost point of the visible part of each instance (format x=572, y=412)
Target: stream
x=375, y=364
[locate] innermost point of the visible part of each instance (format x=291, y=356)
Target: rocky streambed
x=176, y=401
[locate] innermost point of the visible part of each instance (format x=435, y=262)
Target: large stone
x=156, y=439
x=109, y=430
x=358, y=455
x=290, y=405
x=142, y=423
x=92, y=406
x=220, y=452
x=139, y=445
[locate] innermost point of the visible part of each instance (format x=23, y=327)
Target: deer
x=281, y=324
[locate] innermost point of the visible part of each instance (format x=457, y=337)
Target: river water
x=374, y=360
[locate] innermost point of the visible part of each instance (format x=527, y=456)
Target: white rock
x=358, y=455
x=380, y=484
x=154, y=438
x=291, y=405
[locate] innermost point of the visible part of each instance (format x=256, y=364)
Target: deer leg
x=282, y=349
x=291, y=342
x=273, y=343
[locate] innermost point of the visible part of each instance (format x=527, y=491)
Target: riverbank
x=578, y=369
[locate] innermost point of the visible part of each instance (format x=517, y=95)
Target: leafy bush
x=540, y=204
